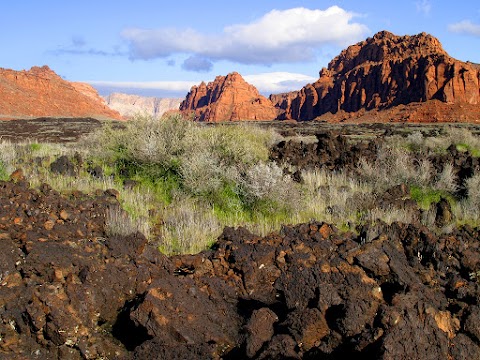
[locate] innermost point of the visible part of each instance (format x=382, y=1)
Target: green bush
x=223, y=168
x=425, y=197
x=3, y=171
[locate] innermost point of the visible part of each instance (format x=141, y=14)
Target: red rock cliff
x=39, y=92
x=382, y=72
x=228, y=98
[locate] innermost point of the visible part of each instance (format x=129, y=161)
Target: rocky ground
x=310, y=291
x=69, y=292
x=58, y=130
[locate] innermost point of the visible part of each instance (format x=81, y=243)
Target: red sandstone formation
x=228, y=98
x=383, y=72
x=39, y=92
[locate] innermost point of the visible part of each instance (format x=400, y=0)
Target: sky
x=162, y=48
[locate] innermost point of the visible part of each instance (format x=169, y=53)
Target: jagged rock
x=228, y=98
x=384, y=72
x=129, y=105
x=64, y=166
x=305, y=292
x=39, y=92
x=331, y=151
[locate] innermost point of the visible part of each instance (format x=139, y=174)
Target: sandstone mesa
x=228, y=98
x=40, y=92
x=384, y=78
x=387, y=72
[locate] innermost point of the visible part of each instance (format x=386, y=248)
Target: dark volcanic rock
x=64, y=166
x=67, y=291
x=331, y=152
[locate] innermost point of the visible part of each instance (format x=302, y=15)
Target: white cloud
x=465, y=27
x=291, y=35
x=266, y=83
x=278, y=82
x=147, y=85
x=424, y=6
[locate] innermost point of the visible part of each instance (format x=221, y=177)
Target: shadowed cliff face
x=228, y=98
x=382, y=72
x=39, y=92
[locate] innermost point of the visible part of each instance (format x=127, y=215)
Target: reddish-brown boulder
x=383, y=72
x=40, y=92
x=228, y=98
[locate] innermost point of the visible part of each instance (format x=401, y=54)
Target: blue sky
x=162, y=48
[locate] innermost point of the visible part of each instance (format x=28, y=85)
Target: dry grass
x=390, y=215
x=189, y=227
x=334, y=196
x=119, y=222
x=222, y=177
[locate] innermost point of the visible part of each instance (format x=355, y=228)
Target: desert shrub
x=464, y=140
x=415, y=142
x=336, y=197
x=394, y=166
x=189, y=226
x=390, y=214
x=147, y=140
x=467, y=211
x=473, y=189
x=446, y=180
x=200, y=158
x=222, y=171
x=8, y=158
x=119, y=222
x=267, y=181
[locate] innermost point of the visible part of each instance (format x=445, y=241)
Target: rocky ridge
x=40, y=92
x=384, y=78
x=386, y=71
x=129, y=105
x=227, y=98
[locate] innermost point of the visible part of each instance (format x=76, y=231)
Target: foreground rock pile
x=68, y=291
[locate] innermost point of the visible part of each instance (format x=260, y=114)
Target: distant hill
x=40, y=92
x=129, y=105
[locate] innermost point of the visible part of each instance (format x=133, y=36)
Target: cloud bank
x=465, y=27
x=278, y=82
x=266, y=83
x=280, y=36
